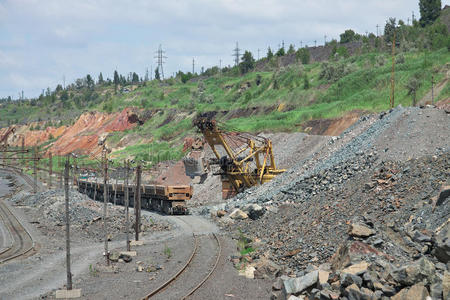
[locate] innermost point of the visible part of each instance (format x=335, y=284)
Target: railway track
x=22, y=242
x=185, y=289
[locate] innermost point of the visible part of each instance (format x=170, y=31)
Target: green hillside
x=267, y=96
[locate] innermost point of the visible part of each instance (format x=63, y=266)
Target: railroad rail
x=22, y=243
x=185, y=267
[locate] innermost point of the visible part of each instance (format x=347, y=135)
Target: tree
x=135, y=78
x=305, y=82
x=100, y=78
x=389, y=30
x=269, y=53
x=291, y=49
x=58, y=88
x=157, y=76
x=303, y=55
x=280, y=52
x=412, y=86
x=348, y=36
x=89, y=81
x=116, y=80
x=429, y=11
x=64, y=95
x=248, y=62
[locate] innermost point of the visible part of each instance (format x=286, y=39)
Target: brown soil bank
x=333, y=126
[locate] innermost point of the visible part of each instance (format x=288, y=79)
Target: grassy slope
x=365, y=87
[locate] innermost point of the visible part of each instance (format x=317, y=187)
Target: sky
x=43, y=42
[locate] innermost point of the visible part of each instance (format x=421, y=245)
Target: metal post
x=127, y=204
x=432, y=89
x=105, y=203
x=115, y=189
x=137, y=201
x=23, y=148
x=66, y=193
x=50, y=170
x=393, y=73
x=34, y=170
x=60, y=174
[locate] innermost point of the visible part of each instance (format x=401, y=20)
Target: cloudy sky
x=42, y=41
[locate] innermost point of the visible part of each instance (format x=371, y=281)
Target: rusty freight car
x=168, y=199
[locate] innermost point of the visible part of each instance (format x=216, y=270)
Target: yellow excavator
x=245, y=160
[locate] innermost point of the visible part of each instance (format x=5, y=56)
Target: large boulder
x=442, y=246
x=413, y=273
x=238, y=214
x=298, y=285
x=446, y=286
x=360, y=230
x=255, y=211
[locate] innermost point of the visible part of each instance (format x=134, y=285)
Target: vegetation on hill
x=258, y=95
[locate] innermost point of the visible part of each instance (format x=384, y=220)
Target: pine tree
x=100, y=78
x=269, y=53
x=116, y=80
x=157, y=76
x=429, y=11
x=248, y=62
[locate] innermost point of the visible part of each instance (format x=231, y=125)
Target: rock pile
x=86, y=215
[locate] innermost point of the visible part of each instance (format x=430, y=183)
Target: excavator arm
x=250, y=162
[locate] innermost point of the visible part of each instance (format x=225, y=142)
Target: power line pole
x=34, y=170
x=324, y=39
x=393, y=74
x=315, y=43
x=127, y=204
x=105, y=202
x=301, y=44
x=258, y=53
x=50, y=170
x=236, y=54
x=66, y=194
x=432, y=89
x=137, y=201
x=160, y=60
x=193, y=66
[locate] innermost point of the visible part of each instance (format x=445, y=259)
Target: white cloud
x=44, y=39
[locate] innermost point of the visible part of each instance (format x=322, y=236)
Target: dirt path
x=436, y=91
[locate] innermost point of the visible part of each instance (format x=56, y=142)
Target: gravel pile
x=48, y=211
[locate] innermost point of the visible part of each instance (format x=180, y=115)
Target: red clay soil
x=332, y=127
x=81, y=138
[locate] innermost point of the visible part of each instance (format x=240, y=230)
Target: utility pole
x=127, y=204
x=393, y=74
x=301, y=44
x=160, y=60
x=50, y=170
x=315, y=43
x=432, y=89
x=34, y=170
x=378, y=27
x=236, y=54
x=115, y=189
x=137, y=201
x=105, y=202
x=324, y=39
x=193, y=66
x=258, y=53
x=66, y=194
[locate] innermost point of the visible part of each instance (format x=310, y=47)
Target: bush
x=303, y=55
x=332, y=72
